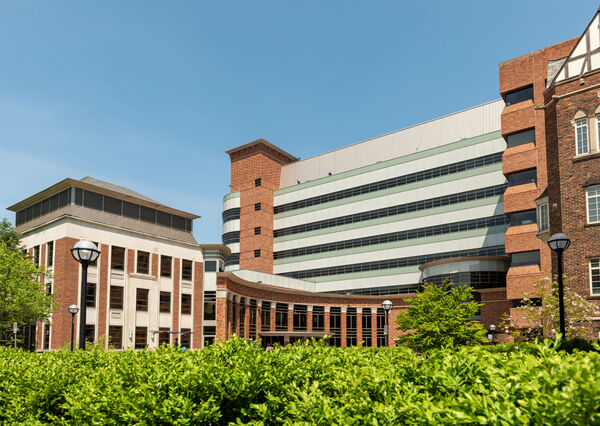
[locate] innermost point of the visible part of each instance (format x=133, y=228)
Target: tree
x=439, y=316
x=22, y=295
x=9, y=236
x=539, y=313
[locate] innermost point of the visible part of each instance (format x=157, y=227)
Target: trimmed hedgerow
x=237, y=382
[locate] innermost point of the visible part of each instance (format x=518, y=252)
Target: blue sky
x=149, y=94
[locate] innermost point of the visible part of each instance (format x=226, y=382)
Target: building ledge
x=583, y=157
x=522, y=229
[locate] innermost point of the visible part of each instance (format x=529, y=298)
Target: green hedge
x=241, y=383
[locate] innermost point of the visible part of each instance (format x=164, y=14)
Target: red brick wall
x=176, y=274
x=567, y=176
x=66, y=285
x=103, y=291
x=198, y=307
x=530, y=69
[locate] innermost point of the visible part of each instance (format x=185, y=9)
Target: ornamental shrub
x=236, y=382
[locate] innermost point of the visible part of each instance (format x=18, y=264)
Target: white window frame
x=588, y=197
x=597, y=132
x=582, y=123
x=596, y=266
x=540, y=209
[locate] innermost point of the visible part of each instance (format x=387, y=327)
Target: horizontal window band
x=458, y=198
x=231, y=237
x=233, y=259
x=417, y=233
x=393, y=263
x=457, y=236
x=456, y=177
x=231, y=214
x=419, y=176
x=453, y=146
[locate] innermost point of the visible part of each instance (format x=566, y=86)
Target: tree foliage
x=539, y=313
x=9, y=236
x=22, y=294
x=440, y=317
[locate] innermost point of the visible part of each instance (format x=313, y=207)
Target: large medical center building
x=313, y=247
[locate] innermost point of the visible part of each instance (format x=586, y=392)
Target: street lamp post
x=559, y=243
x=85, y=252
x=387, y=307
x=73, y=309
x=490, y=335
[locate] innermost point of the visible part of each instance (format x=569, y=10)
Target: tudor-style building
x=572, y=110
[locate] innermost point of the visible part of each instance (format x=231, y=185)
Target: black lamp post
x=559, y=243
x=73, y=309
x=85, y=252
x=387, y=307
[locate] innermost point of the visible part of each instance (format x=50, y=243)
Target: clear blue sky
x=149, y=94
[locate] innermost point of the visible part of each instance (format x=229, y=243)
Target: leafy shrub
x=237, y=382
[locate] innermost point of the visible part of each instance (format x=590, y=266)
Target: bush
x=241, y=383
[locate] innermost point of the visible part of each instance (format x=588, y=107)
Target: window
x=335, y=323
x=112, y=205
x=543, y=218
x=525, y=258
x=186, y=270
x=50, y=247
x=593, y=204
x=257, y=207
x=265, y=316
x=210, y=266
x=143, y=262
x=90, y=333
x=210, y=305
x=116, y=297
x=521, y=178
x=186, y=337
x=165, y=301
x=520, y=138
x=257, y=253
x=595, y=275
x=209, y=332
x=257, y=182
x=164, y=337
x=141, y=299
x=165, y=266
x=117, y=258
x=351, y=331
x=281, y=317
x=46, y=340
x=581, y=136
x=186, y=304
x=257, y=230
x=141, y=337
x=115, y=336
x=318, y=318
x=300, y=317
x=522, y=218
x=36, y=255
x=90, y=295
x=519, y=95
x=366, y=327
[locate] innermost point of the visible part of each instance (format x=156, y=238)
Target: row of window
x=395, y=263
x=520, y=138
x=428, y=231
x=523, y=177
x=592, y=197
x=393, y=182
x=300, y=321
x=118, y=207
x=446, y=200
x=44, y=207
